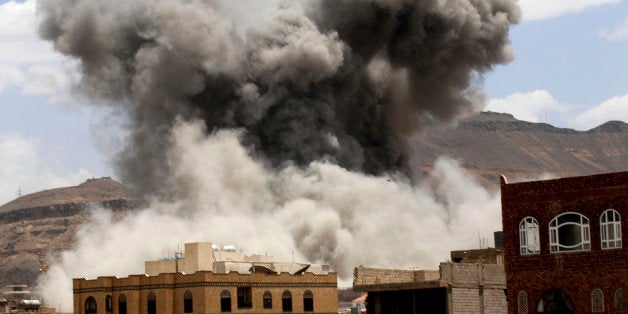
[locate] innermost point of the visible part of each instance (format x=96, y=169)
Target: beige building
x=474, y=284
x=207, y=279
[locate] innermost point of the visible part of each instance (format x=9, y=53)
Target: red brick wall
x=576, y=273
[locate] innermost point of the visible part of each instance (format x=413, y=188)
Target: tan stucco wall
x=206, y=288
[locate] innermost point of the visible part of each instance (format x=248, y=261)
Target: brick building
x=564, y=244
x=465, y=287
x=189, y=284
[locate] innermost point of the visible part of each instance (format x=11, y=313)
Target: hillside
x=40, y=224
x=490, y=144
x=91, y=191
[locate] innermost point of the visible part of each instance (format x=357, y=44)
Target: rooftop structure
x=205, y=256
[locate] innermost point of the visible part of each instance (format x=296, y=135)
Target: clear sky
x=571, y=70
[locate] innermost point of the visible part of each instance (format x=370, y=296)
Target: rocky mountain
x=488, y=144
x=38, y=225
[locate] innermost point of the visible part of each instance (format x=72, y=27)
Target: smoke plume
x=343, y=81
x=285, y=121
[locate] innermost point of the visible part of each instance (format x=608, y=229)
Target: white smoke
x=321, y=213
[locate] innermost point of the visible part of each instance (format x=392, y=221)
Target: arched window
x=151, y=303
x=268, y=300
x=619, y=301
x=597, y=301
x=108, y=304
x=286, y=301
x=610, y=229
x=90, y=305
x=569, y=232
x=555, y=301
x=188, y=304
x=225, y=301
x=308, y=301
x=122, y=304
x=522, y=302
x=529, y=236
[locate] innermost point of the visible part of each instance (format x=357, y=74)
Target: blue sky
x=571, y=70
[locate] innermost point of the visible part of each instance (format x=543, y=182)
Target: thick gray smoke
x=337, y=80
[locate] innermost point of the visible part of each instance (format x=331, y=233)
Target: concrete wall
x=474, y=288
x=364, y=276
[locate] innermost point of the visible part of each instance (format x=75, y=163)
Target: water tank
x=29, y=305
x=229, y=248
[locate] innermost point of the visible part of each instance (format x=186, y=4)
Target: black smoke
x=341, y=80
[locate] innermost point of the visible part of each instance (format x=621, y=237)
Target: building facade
x=254, y=288
x=453, y=288
x=564, y=244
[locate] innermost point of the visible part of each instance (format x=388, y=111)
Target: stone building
x=189, y=283
x=454, y=288
x=564, y=244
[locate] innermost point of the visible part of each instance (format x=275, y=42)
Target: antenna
x=19, y=192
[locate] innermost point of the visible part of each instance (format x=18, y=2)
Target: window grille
x=597, y=301
x=529, y=236
x=610, y=229
x=522, y=302
x=569, y=232
x=619, y=301
x=268, y=300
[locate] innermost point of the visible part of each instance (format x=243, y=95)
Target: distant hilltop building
x=18, y=299
x=209, y=279
x=565, y=244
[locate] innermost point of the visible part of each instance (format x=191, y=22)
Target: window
x=529, y=236
x=151, y=303
x=522, y=302
x=188, y=302
x=225, y=301
x=268, y=300
x=308, y=301
x=286, y=301
x=610, y=229
x=597, y=301
x=90, y=305
x=569, y=232
x=555, y=301
x=122, y=304
x=108, y=304
x=245, y=298
x=619, y=301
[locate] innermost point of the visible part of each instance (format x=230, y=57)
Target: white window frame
x=585, y=234
x=610, y=221
x=529, y=242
